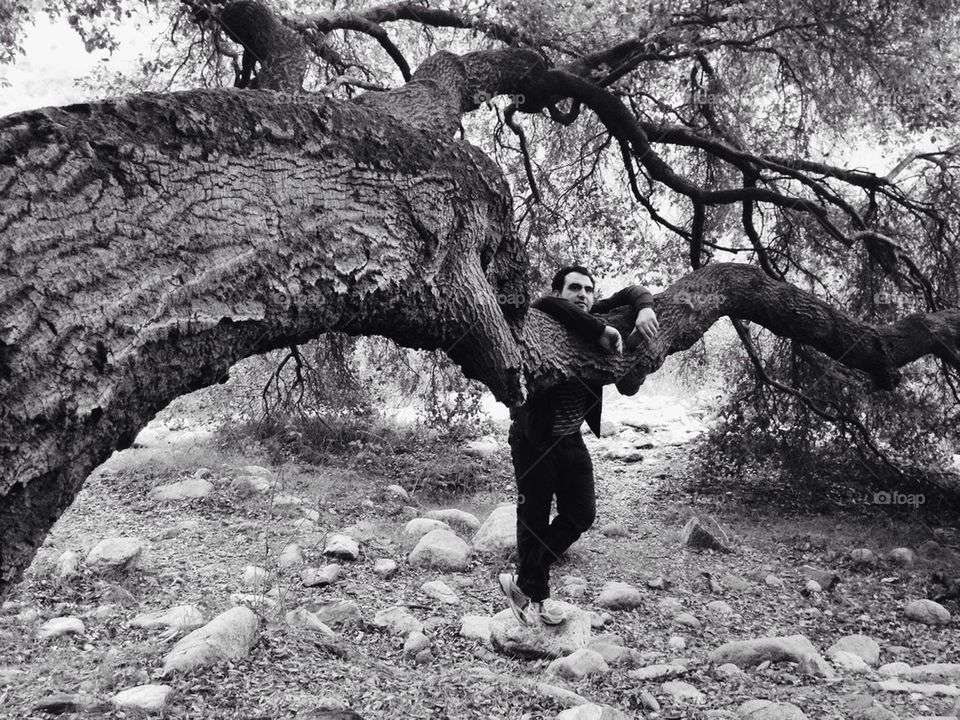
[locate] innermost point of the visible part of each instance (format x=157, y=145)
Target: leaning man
x=549, y=455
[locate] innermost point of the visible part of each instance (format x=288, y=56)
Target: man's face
x=578, y=289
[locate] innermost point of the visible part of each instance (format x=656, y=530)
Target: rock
x=342, y=546
x=290, y=557
x=826, y=579
x=484, y=447
x=418, y=527
x=301, y=617
x=397, y=620
x=540, y=641
x=579, y=664
x=729, y=672
x=719, y=607
x=62, y=703
x=649, y=702
x=27, y=616
x=598, y=620
x=614, y=530
x=864, y=707
x=258, y=471
x=816, y=666
x=440, y=591
x=143, y=698
x=687, y=620
x=460, y=520
x=669, y=606
x=658, y=583
x=260, y=601
x=660, y=671
x=183, y=490
x=735, y=583
x=416, y=642
x=337, y=612
x=476, y=627
x=591, y=711
x=385, y=568
x=894, y=685
x=248, y=485
x=181, y=617
x=773, y=581
x=676, y=643
x=120, y=553
x=705, y=534
x=316, y=577
x=397, y=491
x=443, y=550
x=229, y=636
x=893, y=669
x=613, y=653
x=55, y=627
x=862, y=645
x=813, y=586
x=934, y=672
x=767, y=710
x=747, y=653
x=849, y=661
x=863, y=556
x=498, y=533
x=927, y=612
x=619, y=596
x=679, y=690
x=901, y=556
x=68, y=563
x=255, y=577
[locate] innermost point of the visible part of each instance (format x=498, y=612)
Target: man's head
x=574, y=283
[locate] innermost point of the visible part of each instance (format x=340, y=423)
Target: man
x=549, y=456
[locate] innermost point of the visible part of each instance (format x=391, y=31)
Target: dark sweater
x=535, y=417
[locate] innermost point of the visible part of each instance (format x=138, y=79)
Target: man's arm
x=581, y=322
x=641, y=300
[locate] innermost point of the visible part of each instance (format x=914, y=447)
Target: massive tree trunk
x=149, y=243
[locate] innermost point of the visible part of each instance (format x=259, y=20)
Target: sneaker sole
x=511, y=603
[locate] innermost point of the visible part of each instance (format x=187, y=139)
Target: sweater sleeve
x=636, y=296
x=571, y=316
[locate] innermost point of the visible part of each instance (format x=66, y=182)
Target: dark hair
x=561, y=276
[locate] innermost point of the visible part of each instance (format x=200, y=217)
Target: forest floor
x=197, y=551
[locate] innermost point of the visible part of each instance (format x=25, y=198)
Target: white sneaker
x=517, y=601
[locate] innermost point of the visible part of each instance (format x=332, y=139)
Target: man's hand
x=610, y=340
x=647, y=324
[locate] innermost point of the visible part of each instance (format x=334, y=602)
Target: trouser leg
x=536, y=474
x=576, y=496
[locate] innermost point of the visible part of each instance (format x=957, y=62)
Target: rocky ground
x=192, y=581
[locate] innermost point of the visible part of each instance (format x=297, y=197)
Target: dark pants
x=562, y=468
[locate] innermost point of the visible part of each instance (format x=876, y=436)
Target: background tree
x=150, y=242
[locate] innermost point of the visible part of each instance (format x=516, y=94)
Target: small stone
x=229, y=636
x=385, y=568
x=658, y=583
x=816, y=666
x=826, y=579
x=342, y=546
x=337, y=612
x=484, y=447
x=424, y=657
x=55, y=627
x=705, y=533
x=145, y=698
x=927, y=612
x=418, y=527
x=901, y=556
x=849, y=661
x=863, y=556
x=498, y=533
x=290, y=557
x=614, y=530
x=687, y=620
x=679, y=690
x=476, y=627
x=813, y=586
x=649, y=702
x=894, y=685
x=316, y=577
x=439, y=590
x=894, y=669
x=397, y=491
x=443, y=550
x=579, y=664
x=301, y=617
x=863, y=646
x=767, y=710
x=619, y=596
x=677, y=643
x=659, y=671
x=719, y=607
x=183, y=490
x=116, y=552
x=397, y=620
x=255, y=577
x=735, y=583
x=773, y=581
x=67, y=564
x=415, y=642
x=460, y=520
x=180, y=617
x=669, y=606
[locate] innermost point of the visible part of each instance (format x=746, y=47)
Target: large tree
x=151, y=241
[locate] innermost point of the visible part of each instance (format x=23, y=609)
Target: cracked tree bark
x=149, y=243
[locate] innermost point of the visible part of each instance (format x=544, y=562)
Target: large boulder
x=509, y=637
x=441, y=549
x=229, y=636
x=499, y=531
